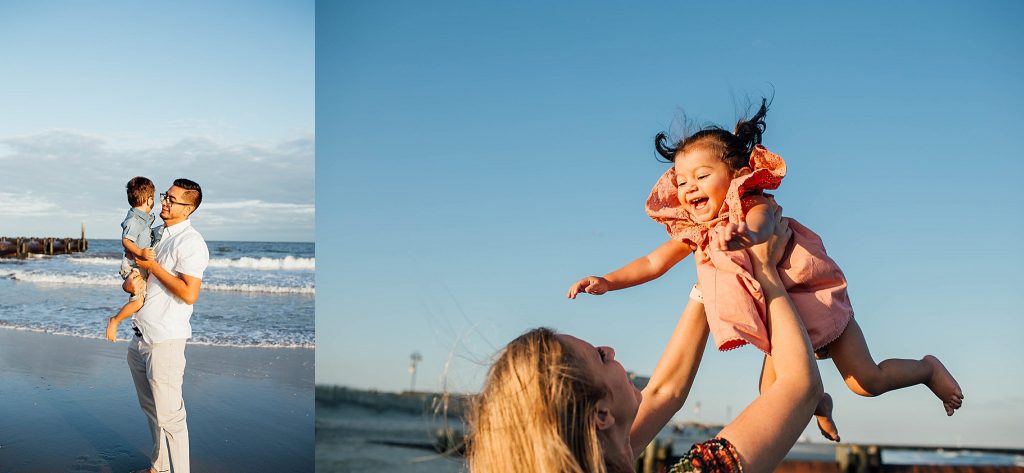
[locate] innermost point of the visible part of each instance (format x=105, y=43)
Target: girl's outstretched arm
x=641, y=270
x=672, y=378
x=766, y=430
x=756, y=228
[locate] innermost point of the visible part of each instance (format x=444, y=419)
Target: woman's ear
x=603, y=416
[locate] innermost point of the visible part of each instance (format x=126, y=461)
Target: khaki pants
x=158, y=369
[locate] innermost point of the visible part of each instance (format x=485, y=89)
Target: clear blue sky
x=96, y=92
x=476, y=158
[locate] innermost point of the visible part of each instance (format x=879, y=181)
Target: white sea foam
x=287, y=263
x=290, y=263
x=84, y=279
x=96, y=261
x=64, y=278
x=93, y=332
x=261, y=288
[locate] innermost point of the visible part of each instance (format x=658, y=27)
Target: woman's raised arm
x=671, y=380
x=767, y=429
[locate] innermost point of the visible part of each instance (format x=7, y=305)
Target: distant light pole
x=415, y=358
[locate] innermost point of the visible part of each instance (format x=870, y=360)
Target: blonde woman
x=555, y=403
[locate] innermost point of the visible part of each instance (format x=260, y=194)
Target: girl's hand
x=148, y=254
x=591, y=285
x=732, y=237
x=769, y=254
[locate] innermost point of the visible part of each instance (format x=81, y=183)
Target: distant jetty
x=21, y=247
x=454, y=405
x=666, y=450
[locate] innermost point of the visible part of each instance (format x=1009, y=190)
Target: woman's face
x=602, y=366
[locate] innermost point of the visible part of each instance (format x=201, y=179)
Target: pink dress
x=733, y=301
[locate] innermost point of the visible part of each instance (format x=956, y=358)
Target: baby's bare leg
x=822, y=413
x=130, y=308
x=853, y=359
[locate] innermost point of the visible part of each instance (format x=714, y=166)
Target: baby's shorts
x=126, y=271
x=696, y=295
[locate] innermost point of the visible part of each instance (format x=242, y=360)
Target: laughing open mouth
x=699, y=203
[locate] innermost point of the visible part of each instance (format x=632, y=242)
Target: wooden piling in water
x=21, y=247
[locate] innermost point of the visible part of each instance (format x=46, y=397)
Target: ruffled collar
x=664, y=207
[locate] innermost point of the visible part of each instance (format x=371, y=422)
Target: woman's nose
x=609, y=353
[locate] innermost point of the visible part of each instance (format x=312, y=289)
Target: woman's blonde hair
x=537, y=412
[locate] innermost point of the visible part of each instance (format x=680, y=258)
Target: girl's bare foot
x=943, y=385
x=823, y=414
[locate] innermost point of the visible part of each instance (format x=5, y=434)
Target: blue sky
x=98, y=92
x=477, y=158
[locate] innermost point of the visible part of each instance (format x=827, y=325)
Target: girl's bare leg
x=853, y=359
x=822, y=413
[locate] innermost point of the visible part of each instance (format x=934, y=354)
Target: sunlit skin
x=766, y=430
x=624, y=396
x=175, y=208
x=617, y=411
x=703, y=180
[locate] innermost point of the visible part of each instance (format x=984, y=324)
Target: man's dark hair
x=139, y=189
x=192, y=191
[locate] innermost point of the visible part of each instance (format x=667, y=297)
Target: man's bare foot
x=823, y=414
x=944, y=385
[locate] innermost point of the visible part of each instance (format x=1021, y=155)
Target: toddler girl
x=712, y=203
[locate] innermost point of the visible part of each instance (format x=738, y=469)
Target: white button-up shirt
x=164, y=316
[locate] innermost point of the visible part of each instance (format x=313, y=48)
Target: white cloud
x=250, y=190
x=55, y=145
x=25, y=204
x=260, y=205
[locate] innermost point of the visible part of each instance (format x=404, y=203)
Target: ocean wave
x=224, y=341
x=96, y=260
x=83, y=279
x=288, y=263
x=261, y=288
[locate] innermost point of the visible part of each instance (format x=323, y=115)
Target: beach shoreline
x=69, y=404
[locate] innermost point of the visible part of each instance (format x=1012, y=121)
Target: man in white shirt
x=156, y=354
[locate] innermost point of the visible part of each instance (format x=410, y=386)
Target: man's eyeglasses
x=164, y=198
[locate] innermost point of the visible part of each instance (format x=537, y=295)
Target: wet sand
x=68, y=404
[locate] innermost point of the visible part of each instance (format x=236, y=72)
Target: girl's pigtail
x=664, y=149
x=749, y=131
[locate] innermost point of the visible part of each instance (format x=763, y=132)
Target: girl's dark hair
x=734, y=148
